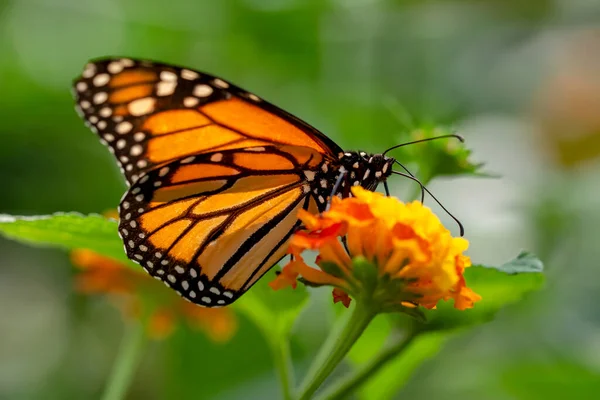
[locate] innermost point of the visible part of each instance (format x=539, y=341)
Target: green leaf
x=554, y=379
x=68, y=231
x=273, y=311
x=524, y=262
x=394, y=375
x=498, y=287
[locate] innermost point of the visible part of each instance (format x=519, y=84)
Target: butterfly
x=216, y=175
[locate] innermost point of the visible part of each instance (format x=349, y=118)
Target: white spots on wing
x=163, y=171
x=157, y=183
x=160, y=272
x=220, y=301
x=150, y=264
x=193, y=273
x=139, y=136
x=323, y=183
x=185, y=285
x=165, y=88
x=202, y=90
x=192, y=294
x=321, y=199
x=142, y=106
x=136, y=150
x=136, y=190
x=121, y=143
x=101, y=79
x=89, y=71
x=179, y=269
x=164, y=262
x=129, y=168
x=257, y=149
x=366, y=175
x=324, y=168
x=355, y=165
x=124, y=127
x=84, y=104
x=310, y=175
x=306, y=188
x=378, y=174
x=168, y=76
x=215, y=290
x=131, y=244
x=101, y=124
x=125, y=232
x=139, y=197
x=115, y=67
x=158, y=254
x=93, y=119
x=138, y=256
x=127, y=62
x=124, y=159
x=187, y=160
x=190, y=101
x=125, y=205
x=217, y=157
x=189, y=74
x=133, y=224
x=200, y=285
x=81, y=86
x=171, y=278
x=220, y=83
x=105, y=112
x=384, y=168
x=253, y=97
x=206, y=299
x=100, y=97
x=142, y=164
x=228, y=294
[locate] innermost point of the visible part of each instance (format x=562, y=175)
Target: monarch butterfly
x=216, y=174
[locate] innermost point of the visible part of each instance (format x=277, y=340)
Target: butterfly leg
x=338, y=182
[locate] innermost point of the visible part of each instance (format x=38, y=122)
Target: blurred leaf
x=395, y=374
x=443, y=157
x=68, y=231
x=550, y=380
x=274, y=312
x=524, y=262
x=498, y=287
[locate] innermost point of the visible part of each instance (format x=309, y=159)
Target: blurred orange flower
x=411, y=258
x=137, y=295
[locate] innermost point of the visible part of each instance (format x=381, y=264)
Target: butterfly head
x=366, y=170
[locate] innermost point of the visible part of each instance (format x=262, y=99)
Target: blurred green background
x=519, y=79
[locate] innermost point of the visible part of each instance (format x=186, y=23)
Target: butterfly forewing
x=150, y=114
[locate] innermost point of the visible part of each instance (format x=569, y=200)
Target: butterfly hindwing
x=150, y=114
x=211, y=225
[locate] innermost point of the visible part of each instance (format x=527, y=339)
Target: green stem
x=345, y=387
x=335, y=348
x=282, y=358
x=127, y=360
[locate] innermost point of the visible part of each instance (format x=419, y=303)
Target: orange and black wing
x=150, y=114
x=211, y=225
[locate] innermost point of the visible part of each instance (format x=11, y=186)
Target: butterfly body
x=216, y=174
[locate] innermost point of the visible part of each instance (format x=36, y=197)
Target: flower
x=137, y=295
x=398, y=255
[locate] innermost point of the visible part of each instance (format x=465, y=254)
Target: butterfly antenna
x=423, y=188
x=412, y=177
x=460, y=138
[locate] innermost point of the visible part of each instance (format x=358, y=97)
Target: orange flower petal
x=340, y=296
